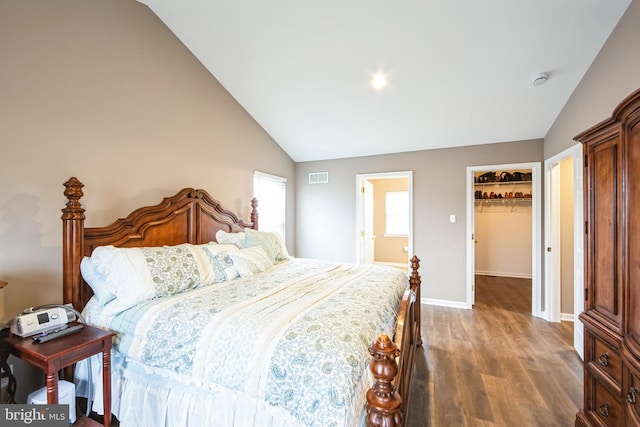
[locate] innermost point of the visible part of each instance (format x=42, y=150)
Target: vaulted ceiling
x=459, y=72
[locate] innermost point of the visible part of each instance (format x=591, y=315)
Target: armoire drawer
x=605, y=405
x=632, y=397
x=602, y=356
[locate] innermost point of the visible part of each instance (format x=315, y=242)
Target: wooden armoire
x=612, y=269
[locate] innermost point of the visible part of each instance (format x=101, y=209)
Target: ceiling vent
x=318, y=177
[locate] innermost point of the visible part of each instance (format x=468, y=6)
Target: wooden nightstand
x=54, y=355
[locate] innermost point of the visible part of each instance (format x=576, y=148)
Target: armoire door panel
x=633, y=237
x=604, y=249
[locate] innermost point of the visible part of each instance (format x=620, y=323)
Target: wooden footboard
x=393, y=360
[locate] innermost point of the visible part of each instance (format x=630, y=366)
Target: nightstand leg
x=106, y=386
x=52, y=387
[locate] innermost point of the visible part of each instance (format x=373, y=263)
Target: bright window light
x=270, y=190
x=397, y=213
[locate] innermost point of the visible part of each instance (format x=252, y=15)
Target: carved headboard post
x=73, y=242
x=254, y=213
x=189, y=216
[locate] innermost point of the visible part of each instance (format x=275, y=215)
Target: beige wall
x=326, y=214
x=614, y=74
x=387, y=248
x=102, y=90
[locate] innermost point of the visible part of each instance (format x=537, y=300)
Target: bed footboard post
x=415, y=281
x=383, y=403
x=254, y=213
x=72, y=243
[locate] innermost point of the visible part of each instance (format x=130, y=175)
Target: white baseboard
x=503, y=274
x=444, y=303
x=564, y=317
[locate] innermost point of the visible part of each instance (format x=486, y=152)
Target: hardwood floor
x=495, y=365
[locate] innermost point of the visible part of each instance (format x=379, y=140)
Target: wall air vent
x=318, y=177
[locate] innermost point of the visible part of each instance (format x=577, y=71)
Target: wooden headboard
x=190, y=216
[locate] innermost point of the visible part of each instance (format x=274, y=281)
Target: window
x=270, y=191
x=397, y=213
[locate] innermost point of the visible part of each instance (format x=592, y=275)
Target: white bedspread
x=284, y=347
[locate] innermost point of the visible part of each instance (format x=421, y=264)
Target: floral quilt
x=295, y=336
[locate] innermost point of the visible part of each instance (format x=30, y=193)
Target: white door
x=552, y=245
x=471, y=233
x=553, y=262
x=368, y=238
x=578, y=248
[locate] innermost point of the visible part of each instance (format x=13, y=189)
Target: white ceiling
x=459, y=71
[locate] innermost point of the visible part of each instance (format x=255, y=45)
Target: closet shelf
x=503, y=188
x=508, y=203
x=482, y=184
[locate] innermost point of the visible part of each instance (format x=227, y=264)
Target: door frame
x=536, y=221
x=360, y=207
x=552, y=234
x=367, y=253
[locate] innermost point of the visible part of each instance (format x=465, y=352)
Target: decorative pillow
x=221, y=262
x=138, y=274
x=270, y=242
x=173, y=269
x=96, y=280
x=250, y=261
x=230, y=238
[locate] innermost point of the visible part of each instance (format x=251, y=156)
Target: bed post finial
x=73, y=193
x=383, y=402
x=254, y=213
x=72, y=243
x=414, y=279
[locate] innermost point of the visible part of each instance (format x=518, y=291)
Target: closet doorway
x=503, y=223
x=384, y=218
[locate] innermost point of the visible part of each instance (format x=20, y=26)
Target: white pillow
x=126, y=278
x=138, y=274
x=250, y=261
x=96, y=280
x=222, y=263
x=230, y=238
x=269, y=241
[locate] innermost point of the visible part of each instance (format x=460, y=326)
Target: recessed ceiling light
x=378, y=81
x=540, y=79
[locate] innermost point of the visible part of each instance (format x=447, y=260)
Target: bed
x=242, y=334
